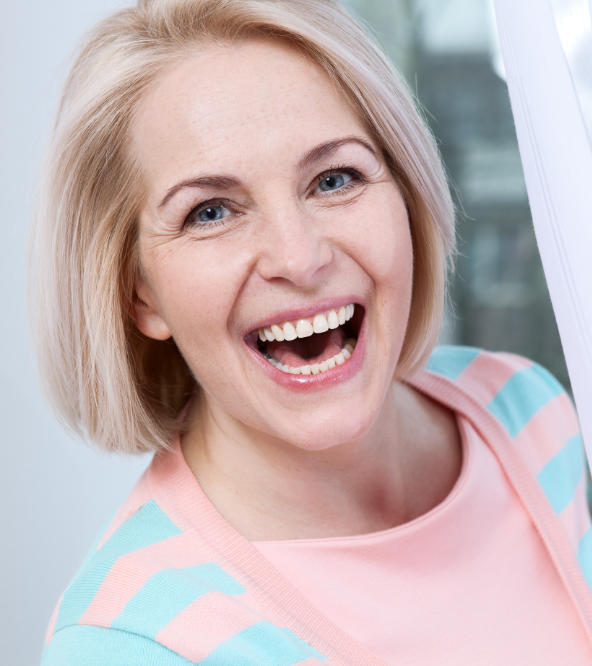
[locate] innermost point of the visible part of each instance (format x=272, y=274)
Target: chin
x=322, y=432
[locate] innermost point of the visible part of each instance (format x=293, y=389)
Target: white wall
x=56, y=492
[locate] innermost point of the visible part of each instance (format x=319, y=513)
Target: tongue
x=304, y=351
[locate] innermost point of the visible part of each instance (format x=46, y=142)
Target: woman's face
x=267, y=204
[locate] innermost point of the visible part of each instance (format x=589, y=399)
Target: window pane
x=447, y=51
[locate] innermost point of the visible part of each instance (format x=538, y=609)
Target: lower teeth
x=317, y=368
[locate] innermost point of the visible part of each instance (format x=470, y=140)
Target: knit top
x=437, y=590
x=170, y=582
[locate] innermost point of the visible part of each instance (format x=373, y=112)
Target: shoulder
x=523, y=397
x=135, y=593
x=463, y=364
x=93, y=611
x=539, y=422
x=156, y=591
x=87, y=645
x=512, y=388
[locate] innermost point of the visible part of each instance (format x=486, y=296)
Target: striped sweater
x=171, y=583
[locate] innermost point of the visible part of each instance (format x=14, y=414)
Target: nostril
x=299, y=258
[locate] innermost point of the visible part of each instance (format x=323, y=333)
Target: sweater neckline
x=422, y=521
x=175, y=487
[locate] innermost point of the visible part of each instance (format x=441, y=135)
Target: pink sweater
x=499, y=572
x=442, y=584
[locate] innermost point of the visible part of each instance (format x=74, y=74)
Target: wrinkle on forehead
x=186, y=119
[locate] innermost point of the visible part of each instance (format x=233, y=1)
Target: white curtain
x=547, y=51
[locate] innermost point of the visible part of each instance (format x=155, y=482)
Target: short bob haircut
x=107, y=381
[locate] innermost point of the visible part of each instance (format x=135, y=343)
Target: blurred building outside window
x=447, y=50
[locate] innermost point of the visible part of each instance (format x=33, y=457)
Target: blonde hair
x=107, y=380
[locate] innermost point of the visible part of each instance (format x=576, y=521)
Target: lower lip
x=336, y=375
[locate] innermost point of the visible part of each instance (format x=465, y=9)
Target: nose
x=293, y=248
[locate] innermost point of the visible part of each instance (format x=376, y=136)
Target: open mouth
x=312, y=345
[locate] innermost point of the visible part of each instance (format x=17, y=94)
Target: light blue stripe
x=82, y=645
x=561, y=475
x=262, y=644
x=585, y=556
x=97, y=541
x=521, y=397
x=168, y=592
x=451, y=361
x=147, y=526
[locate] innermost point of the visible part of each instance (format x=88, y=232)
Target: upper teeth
x=303, y=328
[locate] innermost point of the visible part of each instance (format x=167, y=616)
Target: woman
x=243, y=244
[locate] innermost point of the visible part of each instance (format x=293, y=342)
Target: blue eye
x=211, y=213
x=208, y=214
x=334, y=181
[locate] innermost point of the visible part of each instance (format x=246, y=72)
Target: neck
x=269, y=489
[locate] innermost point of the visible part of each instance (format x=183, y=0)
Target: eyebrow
x=223, y=182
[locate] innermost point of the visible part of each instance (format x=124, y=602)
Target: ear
x=146, y=315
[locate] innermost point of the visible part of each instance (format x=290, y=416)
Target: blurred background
x=448, y=51
x=56, y=492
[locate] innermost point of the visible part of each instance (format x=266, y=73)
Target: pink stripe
x=485, y=376
x=550, y=428
x=53, y=619
x=212, y=619
x=575, y=516
x=131, y=572
x=138, y=496
x=517, y=362
x=209, y=621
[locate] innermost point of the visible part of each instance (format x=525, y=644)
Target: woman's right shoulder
x=93, y=622
x=90, y=645
x=159, y=590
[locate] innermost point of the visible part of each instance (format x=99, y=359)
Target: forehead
x=233, y=106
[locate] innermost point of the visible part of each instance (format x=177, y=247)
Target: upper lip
x=303, y=312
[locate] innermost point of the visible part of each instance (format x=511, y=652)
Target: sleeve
x=85, y=645
x=539, y=418
x=550, y=434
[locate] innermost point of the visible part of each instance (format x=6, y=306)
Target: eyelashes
x=207, y=214
x=334, y=176
x=213, y=213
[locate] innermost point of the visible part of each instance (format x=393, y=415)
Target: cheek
x=378, y=237
x=197, y=287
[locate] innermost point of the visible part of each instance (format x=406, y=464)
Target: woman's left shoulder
x=539, y=426
x=459, y=362
x=529, y=403
x=512, y=387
